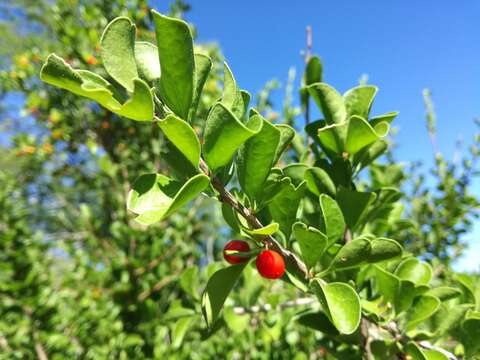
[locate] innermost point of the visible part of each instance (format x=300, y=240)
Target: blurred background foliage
x=79, y=279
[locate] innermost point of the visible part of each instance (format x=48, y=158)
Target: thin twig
x=157, y=287
x=238, y=310
x=226, y=197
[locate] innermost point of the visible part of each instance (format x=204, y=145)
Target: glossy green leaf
x=275, y=184
x=434, y=355
x=444, y=292
x=203, y=65
x=367, y=155
x=313, y=71
x=312, y=243
x=154, y=197
x=361, y=134
x=449, y=317
x=333, y=221
x=255, y=159
x=181, y=134
x=318, y=321
x=179, y=330
x=224, y=134
x=296, y=172
x=414, y=270
x=330, y=102
x=388, y=117
x=287, y=134
x=263, y=231
x=148, y=63
x=405, y=295
x=319, y=182
x=230, y=89
x=383, y=249
x=358, y=100
x=181, y=167
x=354, y=204
x=230, y=217
x=423, y=307
x=352, y=254
x=340, y=303
x=217, y=290
x=85, y=83
x=328, y=138
x=117, y=51
x=415, y=351
x=387, y=284
x=189, y=281
x=283, y=208
x=175, y=49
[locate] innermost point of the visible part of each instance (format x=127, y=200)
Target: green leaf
x=387, y=284
x=405, y=295
x=275, y=184
x=175, y=49
x=340, y=303
x=179, y=330
x=330, y=102
x=414, y=351
x=117, y=51
x=283, y=208
x=444, y=292
x=319, y=182
x=286, y=136
x=189, y=281
x=358, y=100
x=85, y=83
x=367, y=155
x=230, y=89
x=154, y=197
x=296, y=172
x=148, y=63
x=388, y=117
x=217, y=290
x=354, y=204
x=181, y=134
x=361, y=134
x=418, y=353
x=312, y=243
x=313, y=71
x=333, y=221
x=352, y=254
x=181, y=167
x=236, y=323
x=230, y=217
x=423, y=307
x=263, y=231
x=318, y=321
x=328, y=138
x=434, y=355
x=414, y=270
x=224, y=134
x=383, y=249
x=255, y=159
x=449, y=317
x=203, y=65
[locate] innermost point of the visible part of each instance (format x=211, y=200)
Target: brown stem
x=157, y=287
x=227, y=197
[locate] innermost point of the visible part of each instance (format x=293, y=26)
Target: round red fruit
x=236, y=245
x=270, y=264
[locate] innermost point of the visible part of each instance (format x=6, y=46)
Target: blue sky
x=404, y=47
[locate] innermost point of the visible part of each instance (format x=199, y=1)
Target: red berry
x=236, y=245
x=270, y=264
